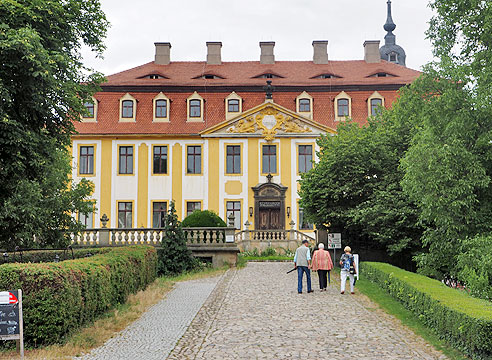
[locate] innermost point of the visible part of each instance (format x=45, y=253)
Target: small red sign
x=12, y=299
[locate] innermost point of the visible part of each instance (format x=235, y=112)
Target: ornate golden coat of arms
x=269, y=120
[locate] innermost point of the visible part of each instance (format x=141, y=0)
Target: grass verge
x=113, y=321
x=393, y=307
x=267, y=258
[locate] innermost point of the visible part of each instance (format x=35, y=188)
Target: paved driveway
x=256, y=313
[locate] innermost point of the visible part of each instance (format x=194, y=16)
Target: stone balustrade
x=215, y=244
x=248, y=240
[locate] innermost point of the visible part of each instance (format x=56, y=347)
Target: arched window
x=233, y=105
x=195, y=108
x=376, y=106
x=343, y=107
x=304, y=105
x=127, y=109
x=161, y=108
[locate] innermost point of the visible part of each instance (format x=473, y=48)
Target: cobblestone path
x=256, y=313
x=154, y=335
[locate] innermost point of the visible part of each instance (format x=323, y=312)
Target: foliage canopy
x=43, y=86
x=418, y=177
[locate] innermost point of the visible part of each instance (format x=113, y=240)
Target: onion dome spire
x=390, y=25
x=390, y=51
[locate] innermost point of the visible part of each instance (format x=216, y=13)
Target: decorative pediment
x=268, y=120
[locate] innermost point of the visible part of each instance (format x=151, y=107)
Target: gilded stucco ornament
x=269, y=120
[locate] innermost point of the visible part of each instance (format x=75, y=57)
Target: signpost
x=11, y=323
x=334, y=242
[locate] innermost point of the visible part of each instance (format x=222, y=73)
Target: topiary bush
x=204, y=218
x=463, y=321
x=174, y=256
x=61, y=297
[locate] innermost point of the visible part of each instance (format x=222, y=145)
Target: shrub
x=60, y=297
x=174, y=255
x=41, y=256
x=205, y=218
x=465, y=322
x=268, y=252
x=475, y=266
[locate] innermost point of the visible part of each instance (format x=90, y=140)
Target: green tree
x=356, y=184
x=448, y=167
x=446, y=171
x=43, y=86
x=174, y=255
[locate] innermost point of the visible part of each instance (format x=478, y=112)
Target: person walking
x=322, y=264
x=302, y=262
x=348, y=269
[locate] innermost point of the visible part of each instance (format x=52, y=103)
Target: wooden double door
x=269, y=217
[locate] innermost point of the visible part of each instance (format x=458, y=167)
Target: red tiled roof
x=214, y=111
x=297, y=75
x=294, y=73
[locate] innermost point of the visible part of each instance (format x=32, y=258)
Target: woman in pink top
x=322, y=263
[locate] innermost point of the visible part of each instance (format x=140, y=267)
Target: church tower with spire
x=390, y=51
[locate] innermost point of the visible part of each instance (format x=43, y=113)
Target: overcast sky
x=240, y=25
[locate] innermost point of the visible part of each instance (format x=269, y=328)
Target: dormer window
x=393, y=57
x=304, y=105
x=343, y=106
x=195, y=107
x=161, y=108
x=90, y=113
x=326, y=76
x=233, y=105
x=89, y=108
x=381, y=74
x=375, y=104
x=209, y=77
x=153, y=76
x=268, y=76
x=127, y=109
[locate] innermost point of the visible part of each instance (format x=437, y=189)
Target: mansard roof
x=245, y=74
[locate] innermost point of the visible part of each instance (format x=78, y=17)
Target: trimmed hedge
x=61, y=297
x=41, y=256
x=465, y=322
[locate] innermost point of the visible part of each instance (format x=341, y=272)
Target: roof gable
x=268, y=120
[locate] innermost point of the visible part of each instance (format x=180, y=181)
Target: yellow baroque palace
x=213, y=135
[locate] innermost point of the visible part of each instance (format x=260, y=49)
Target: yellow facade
x=212, y=186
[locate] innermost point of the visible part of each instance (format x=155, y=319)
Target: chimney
x=267, y=56
x=213, y=52
x=162, y=53
x=371, y=51
x=320, y=51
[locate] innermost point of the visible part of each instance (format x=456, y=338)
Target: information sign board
x=334, y=241
x=11, y=323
